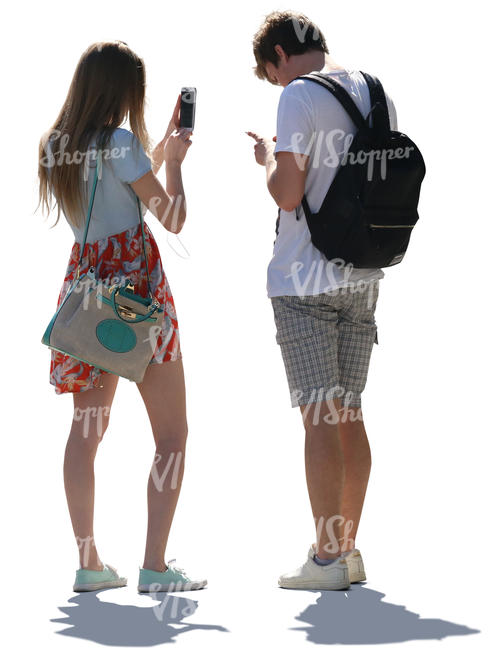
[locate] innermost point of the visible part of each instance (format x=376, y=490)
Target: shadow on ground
x=359, y=615
x=129, y=625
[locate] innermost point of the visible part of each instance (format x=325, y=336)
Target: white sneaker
x=355, y=565
x=315, y=576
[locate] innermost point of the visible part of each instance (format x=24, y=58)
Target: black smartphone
x=187, y=107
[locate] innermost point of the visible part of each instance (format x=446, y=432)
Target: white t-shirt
x=311, y=120
x=115, y=204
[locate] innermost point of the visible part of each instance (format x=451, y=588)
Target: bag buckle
x=127, y=311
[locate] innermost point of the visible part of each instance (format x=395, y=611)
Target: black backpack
x=368, y=213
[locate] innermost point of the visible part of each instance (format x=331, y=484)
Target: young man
x=324, y=313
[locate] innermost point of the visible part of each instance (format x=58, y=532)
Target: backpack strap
x=347, y=103
x=340, y=94
x=381, y=118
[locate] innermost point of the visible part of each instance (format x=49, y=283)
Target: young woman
x=109, y=85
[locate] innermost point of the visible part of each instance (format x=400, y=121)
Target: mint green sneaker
x=173, y=579
x=87, y=580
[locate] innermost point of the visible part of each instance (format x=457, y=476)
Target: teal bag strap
x=144, y=244
x=90, y=207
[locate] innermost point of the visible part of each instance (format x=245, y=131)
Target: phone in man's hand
x=187, y=107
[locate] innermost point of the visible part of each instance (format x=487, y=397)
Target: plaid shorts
x=326, y=342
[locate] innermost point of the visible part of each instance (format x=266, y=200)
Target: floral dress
x=118, y=256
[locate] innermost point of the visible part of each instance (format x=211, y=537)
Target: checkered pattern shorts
x=326, y=342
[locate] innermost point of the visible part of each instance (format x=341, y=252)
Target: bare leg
x=90, y=421
x=325, y=475
x=163, y=392
x=357, y=461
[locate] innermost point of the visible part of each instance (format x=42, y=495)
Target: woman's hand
x=174, y=123
x=176, y=145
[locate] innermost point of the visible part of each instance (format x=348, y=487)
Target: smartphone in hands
x=187, y=107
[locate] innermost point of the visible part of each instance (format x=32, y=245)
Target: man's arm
x=286, y=172
x=285, y=176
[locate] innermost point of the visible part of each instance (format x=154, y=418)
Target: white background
x=243, y=517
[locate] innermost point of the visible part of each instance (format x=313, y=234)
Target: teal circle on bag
x=115, y=335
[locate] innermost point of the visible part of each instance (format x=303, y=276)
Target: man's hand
x=263, y=149
x=285, y=174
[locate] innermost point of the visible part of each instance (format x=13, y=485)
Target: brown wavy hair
x=108, y=85
x=293, y=31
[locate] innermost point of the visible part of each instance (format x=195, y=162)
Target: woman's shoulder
x=129, y=158
x=126, y=142
x=123, y=136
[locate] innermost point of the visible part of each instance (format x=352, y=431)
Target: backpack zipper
x=377, y=225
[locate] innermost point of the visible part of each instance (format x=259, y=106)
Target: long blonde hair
x=108, y=84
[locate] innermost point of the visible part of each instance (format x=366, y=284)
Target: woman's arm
x=167, y=205
x=158, y=151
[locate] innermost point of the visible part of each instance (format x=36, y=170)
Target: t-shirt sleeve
x=131, y=161
x=294, y=127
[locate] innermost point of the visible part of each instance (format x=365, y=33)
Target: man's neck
x=314, y=61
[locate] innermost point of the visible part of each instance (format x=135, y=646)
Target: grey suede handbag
x=109, y=327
